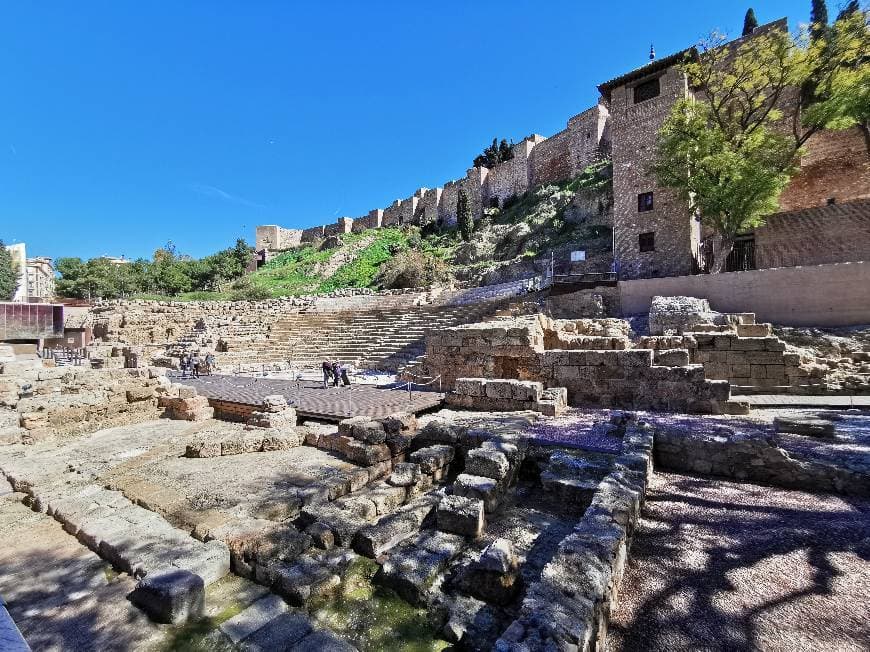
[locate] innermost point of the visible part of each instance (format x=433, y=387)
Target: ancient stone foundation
x=612, y=375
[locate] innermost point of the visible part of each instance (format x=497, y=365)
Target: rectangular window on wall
x=647, y=241
x=647, y=90
x=644, y=202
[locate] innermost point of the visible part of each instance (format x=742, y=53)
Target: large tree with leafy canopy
x=730, y=152
x=8, y=274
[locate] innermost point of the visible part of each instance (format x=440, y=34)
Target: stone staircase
x=387, y=338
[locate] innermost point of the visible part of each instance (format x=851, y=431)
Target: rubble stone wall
x=47, y=402
x=756, y=458
x=579, y=586
x=515, y=349
x=537, y=161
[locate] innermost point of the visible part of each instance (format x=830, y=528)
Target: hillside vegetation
x=529, y=227
x=517, y=240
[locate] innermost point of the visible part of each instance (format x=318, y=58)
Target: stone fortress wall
x=830, y=191
x=537, y=161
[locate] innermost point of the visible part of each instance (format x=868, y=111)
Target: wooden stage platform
x=311, y=400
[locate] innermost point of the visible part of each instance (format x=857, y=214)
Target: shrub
x=413, y=269
x=245, y=290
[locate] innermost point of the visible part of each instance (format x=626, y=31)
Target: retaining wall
x=816, y=295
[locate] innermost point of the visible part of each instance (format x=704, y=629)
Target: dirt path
x=719, y=565
x=343, y=256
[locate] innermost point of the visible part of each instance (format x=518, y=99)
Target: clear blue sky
x=126, y=124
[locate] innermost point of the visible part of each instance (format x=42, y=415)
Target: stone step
x=133, y=539
x=374, y=540
x=412, y=568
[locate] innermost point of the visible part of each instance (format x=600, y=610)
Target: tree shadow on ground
x=723, y=566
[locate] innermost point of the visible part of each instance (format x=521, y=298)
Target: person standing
x=209, y=362
x=327, y=373
x=336, y=373
x=184, y=363
x=195, y=362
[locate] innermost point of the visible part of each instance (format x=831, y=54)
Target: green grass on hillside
x=527, y=226
x=293, y=272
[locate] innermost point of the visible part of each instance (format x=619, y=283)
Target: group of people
x=192, y=365
x=334, y=372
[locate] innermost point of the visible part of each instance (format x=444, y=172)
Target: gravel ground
x=852, y=430
x=577, y=428
x=719, y=565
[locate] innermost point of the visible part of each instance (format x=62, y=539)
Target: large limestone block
x=480, y=487
x=174, y=596
x=487, y=463
x=433, y=458
x=461, y=515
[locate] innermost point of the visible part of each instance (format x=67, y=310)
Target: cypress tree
x=463, y=216
x=749, y=22
x=818, y=19
x=849, y=9
x=8, y=277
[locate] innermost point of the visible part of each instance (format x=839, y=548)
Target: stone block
x=321, y=535
x=805, y=426
x=672, y=358
x=135, y=394
x=280, y=441
x=499, y=389
x=278, y=634
x=400, y=422
x=274, y=403
x=471, y=386
x=433, y=458
x=405, y=474
x=439, y=431
x=185, y=391
x=475, y=486
x=460, y=515
x=203, y=448
x=487, y=463
x=173, y=596
x=321, y=641
x=374, y=540
x=366, y=454
x=241, y=443
x=253, y=618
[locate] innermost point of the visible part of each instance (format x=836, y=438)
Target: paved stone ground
x=61, y=595
x=145, y=461
x=719, y=565
x=313, y=401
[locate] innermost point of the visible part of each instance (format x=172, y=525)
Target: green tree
x=851, y=8
x=498, y=152
x=837, y=68
x=818, y=19
x=749, y=22
x=731, y=155
x=8, y=275
x=464, y=218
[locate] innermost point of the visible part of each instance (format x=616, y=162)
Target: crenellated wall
x=537, y=161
